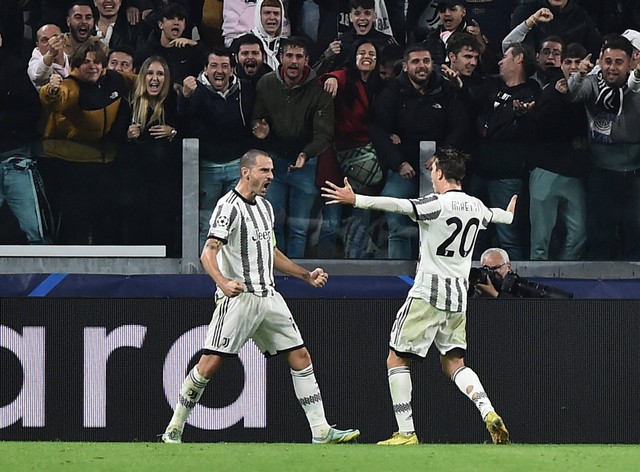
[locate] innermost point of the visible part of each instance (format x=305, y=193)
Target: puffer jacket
x=82, y=115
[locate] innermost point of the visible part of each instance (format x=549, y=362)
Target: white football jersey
x=449, y=224
x=246, y=228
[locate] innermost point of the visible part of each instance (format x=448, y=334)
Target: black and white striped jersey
x=449, y=224
x=246, y=228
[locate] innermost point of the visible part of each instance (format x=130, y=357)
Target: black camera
x=479, y=275
x=515, y=285
x=523, y=288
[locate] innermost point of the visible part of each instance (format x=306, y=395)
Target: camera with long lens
x=520, y=287
x=515, y=285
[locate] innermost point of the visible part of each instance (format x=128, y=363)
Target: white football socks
x=190, y=393
x=469, y=384
x=400, y=387
x=308, y=393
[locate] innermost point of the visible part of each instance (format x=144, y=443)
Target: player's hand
x=318, y=277
x=344, y=195
x=182, y=42
x=260, y=128
x=585, y=66
x=511, y=207
x=301, y=160
x=331, y=86
x=232, y=288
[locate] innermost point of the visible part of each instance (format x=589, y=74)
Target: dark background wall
x=558, y=371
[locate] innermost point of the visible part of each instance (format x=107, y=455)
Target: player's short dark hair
x=247, y=39
x=574, y=50
x=222, y=52
x=460, y=40
x=294, y=42
x=452, y=163
x=250, y=158
x=417, y=47
x=80, y=54
x=364, y=4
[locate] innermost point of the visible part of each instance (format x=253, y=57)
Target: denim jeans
x=292, y=195
x=18, y=190
x=355, y=233
x=403, y=232
x=497, y=193
x=215, y=181
x=309, y=18
x=556, y=198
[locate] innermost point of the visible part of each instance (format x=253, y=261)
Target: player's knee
x=209, y=364
x=394, y=360
x=299, y=359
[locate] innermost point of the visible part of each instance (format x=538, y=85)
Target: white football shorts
x=419, y=324
x=267, y=320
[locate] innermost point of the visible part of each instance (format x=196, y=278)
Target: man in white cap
x=634, y=78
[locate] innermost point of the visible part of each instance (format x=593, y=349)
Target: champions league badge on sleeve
x=222, y=221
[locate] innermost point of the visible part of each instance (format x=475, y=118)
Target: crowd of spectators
x=544, y=95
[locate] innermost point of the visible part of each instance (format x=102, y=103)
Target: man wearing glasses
x=496, y=262
x=498, y=280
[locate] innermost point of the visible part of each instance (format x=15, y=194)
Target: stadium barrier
x=558, y=371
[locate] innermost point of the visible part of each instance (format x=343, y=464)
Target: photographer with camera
x=496, y=279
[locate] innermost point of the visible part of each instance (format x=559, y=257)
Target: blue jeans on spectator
x=403, y=232
x=309, y=19
x=292, y=195
x=215, y=181
x=556, y=198
x=497, y=193
x=356, y=232
x=18, y=190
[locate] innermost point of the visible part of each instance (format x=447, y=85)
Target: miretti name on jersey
x=449, y=224
x=246, y=228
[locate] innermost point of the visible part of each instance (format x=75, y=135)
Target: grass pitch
x=250, y=457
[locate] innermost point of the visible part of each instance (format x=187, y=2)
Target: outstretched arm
x=346, y=196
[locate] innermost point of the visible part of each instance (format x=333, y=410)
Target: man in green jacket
x=294, y=116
